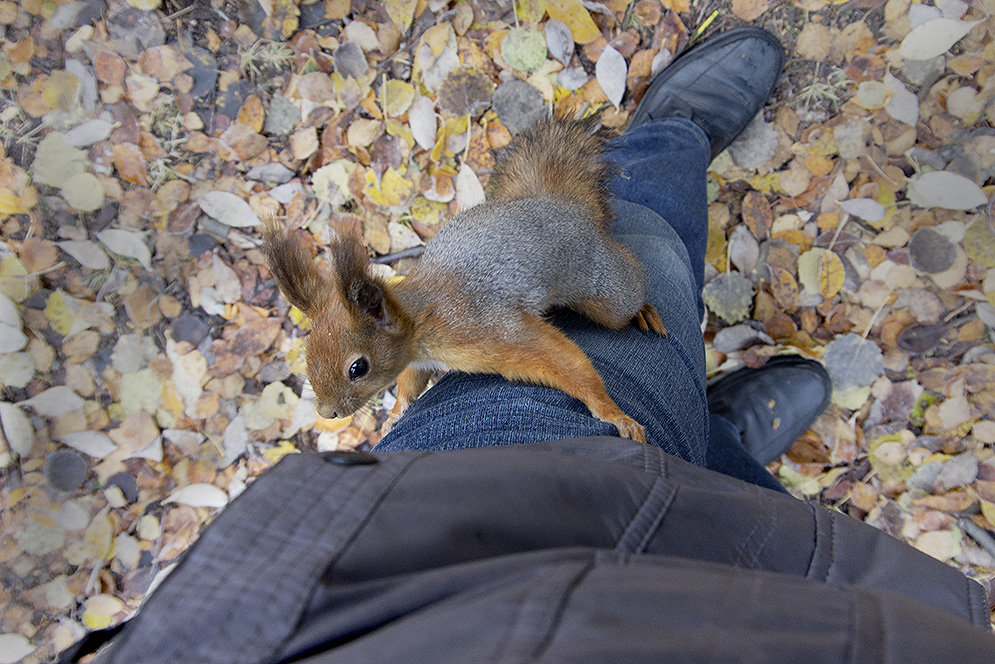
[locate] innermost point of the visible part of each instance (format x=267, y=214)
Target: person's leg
x=657, y=381
x=728, y=455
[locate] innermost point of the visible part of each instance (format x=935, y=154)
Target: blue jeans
x=659, y=175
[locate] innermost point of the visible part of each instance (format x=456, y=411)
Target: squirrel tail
x=555, y=158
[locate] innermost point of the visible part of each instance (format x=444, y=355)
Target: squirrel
x=476, y=299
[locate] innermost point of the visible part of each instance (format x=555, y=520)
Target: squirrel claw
x=649, y=319
x=629, y=428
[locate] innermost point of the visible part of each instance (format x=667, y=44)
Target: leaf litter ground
x=150, y=368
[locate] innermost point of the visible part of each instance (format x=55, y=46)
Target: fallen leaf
x=729, y=296
x=401, y=12
x=88, y=253
x=84, y=192
x=610, y=71
x=227, y=208
x=127, y=243
x=93, y=443
x=867, y=209
x=934, y=38
x=559, y=41
x=469, y=191
x=749, y=10
x=14, y=648
x=465, y=91
x=573, y=14
x=198, y=495
x=54, y=402
x=524, y=49
x=944, y=189
x=852, y=362
x=17, y=428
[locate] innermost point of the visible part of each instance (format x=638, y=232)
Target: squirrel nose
x=326, y=410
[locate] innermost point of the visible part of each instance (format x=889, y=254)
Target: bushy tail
x=555, y=158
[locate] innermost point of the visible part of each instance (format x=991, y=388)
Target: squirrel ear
x=350, y=264
x=293, y=266
x=368, y=295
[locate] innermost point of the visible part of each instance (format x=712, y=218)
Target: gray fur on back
x=532, y=254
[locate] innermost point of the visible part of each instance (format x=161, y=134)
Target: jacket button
x=342, y=458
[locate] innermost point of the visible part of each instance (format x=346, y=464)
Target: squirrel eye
x=359, y=368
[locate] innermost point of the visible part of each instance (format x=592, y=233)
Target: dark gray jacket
x=590, y=550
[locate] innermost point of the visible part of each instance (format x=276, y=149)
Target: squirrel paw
x=628, y=428
x=648, y=319
x=395, y=414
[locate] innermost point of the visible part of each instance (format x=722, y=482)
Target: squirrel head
x=359, y=339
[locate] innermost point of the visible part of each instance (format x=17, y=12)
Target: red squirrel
x=475, y=301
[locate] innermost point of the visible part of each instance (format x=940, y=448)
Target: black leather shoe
x=720, y=85
x=773, y=405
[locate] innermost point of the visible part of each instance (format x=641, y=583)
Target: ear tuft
x=293, y=266
x=351, y=265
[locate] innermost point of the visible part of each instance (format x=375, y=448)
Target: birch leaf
x=867, y=209
x=524, y=49
x=54, y=402
x=611, y=71
x=84, y=192
x=946, y=190
x=12, y=339
x=87, y=252
x=934, y=38
x=853, y=362
x=401, y=12
x=17, y=428
x=227, y=208
x=903, y=105
x=127, y=243
x=93, y=443
x=559, y=41
x=573, y=14
x=421, y=116
x=14, y=648
x=469, y=191
x=199, y=495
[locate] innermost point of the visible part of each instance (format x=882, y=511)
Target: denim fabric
x=660, y=173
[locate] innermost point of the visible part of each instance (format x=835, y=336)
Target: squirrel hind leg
x=648, y=320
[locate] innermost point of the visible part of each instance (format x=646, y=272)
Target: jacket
x=587, y=550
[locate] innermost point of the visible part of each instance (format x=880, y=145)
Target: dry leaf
x=127, y=243
x=934, y=38
x=947, y=190
x=573, y=14
x=610, y=71
x=227, y=208
x=749, y=10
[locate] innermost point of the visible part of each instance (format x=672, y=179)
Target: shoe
x=720, y=85
x=773, y=405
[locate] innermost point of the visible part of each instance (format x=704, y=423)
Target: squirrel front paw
x=628, y=428
x=395, y=414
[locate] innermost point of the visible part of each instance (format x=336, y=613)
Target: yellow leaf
x=61, y=90
x=296, y=359
x=401, y=12
x=58, y=314
x=393, y=189
x=830, y=274
x=576, y=17
x=252, y=113
x=147, y=5
x=531, y=11
x=283, y=448
x=94, y=620
x=988, y=510
x=299, y=318
x=14, y=280
x=10, y=203
x=397, y=97
x=766, y=184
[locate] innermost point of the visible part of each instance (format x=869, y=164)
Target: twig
x=412, y=252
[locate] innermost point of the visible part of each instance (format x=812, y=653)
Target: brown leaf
x=252, y=113
x=757, y=214
x=254, y=337
x=785, y=288
x=749, y=10
x=130, y=164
